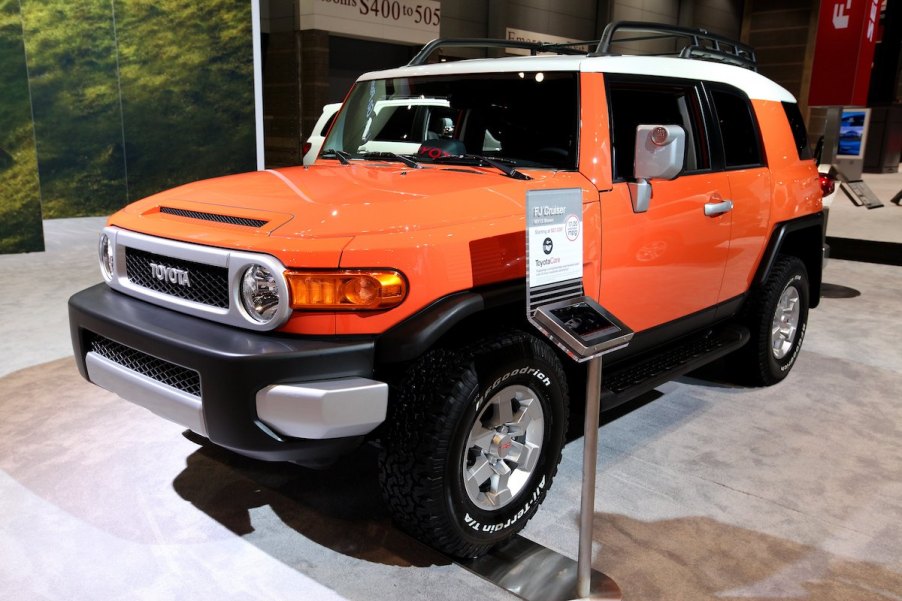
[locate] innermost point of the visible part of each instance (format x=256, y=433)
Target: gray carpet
x=709, y=492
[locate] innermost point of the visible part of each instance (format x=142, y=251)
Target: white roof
x=755, y=85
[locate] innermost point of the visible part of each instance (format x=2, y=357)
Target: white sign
x=538, y=38
x=412, y=21
x=554, y=237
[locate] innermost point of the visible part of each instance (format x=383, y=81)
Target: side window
x=738, y=129
x=797, y=125
x=633, y=102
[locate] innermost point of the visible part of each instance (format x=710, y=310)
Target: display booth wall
x=107, y=101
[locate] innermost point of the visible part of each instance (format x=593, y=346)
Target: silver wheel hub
x=786, y=322
x=503, y=447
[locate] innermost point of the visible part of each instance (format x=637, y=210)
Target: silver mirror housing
x=660, y=151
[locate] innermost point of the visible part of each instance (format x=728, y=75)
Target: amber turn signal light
x=346, y=290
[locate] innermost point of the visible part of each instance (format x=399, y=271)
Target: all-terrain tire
x=777, y=316
x=461, y=420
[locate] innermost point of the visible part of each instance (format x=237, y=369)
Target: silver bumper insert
x=167, y=402
x=326, y=409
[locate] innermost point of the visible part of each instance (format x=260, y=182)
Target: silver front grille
x=207, y=284
x=191, y=278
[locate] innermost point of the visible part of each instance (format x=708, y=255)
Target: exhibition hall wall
x=107, y=101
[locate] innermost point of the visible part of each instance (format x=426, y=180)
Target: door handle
x=712, y=209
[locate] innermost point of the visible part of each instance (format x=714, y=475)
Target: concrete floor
x=709, y=492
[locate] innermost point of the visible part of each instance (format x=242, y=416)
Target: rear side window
x=652, y=102
x=797, y=125
x=738, y=129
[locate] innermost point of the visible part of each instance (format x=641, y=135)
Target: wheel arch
x=803, y=238
x=497, y=307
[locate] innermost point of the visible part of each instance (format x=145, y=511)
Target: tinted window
x=738, y=129
x=635, y=103
x=797, y=125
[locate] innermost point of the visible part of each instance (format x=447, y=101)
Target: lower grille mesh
x=181, y=378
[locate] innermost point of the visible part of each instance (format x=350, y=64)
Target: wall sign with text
x=411, y=21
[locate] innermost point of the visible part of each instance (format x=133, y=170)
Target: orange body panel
x=595, y=136
x=669, y=261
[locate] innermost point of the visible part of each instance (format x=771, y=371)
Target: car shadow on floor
x=339, y=508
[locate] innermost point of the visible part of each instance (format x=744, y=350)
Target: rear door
x=739, y=137
x=668, y=262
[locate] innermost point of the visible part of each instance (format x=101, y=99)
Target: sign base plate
x=536, y=573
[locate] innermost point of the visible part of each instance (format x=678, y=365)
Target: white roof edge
x=754, y=84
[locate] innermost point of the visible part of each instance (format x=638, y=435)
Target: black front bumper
x=233, y=365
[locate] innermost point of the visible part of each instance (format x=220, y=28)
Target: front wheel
x=473, y=442
x=777, y=316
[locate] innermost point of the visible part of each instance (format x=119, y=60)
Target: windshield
x=527, y=119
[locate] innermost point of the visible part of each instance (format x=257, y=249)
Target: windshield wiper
x=394, y=156
x=341, y=155
x=499, y=164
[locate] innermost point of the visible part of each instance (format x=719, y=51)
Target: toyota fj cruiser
x=379, y=294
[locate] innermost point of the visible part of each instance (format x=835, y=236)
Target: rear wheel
x=777, y=316
x=473, y=442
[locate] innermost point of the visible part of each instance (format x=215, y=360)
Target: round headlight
x=105, y=250
x=260, y=293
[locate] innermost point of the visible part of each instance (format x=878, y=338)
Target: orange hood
x=318, y=210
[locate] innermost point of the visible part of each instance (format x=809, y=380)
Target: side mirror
x=660, y=150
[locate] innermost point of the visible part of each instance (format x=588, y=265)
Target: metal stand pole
x=587, y=505
x=589, y=583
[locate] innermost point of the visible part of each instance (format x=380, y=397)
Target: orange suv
x=379, y=294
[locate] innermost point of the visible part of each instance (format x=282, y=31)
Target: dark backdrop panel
x=186, y=71
x=20, y=200
x=350, y=58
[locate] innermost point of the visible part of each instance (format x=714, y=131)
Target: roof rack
x=533, y=47
x=700, y=44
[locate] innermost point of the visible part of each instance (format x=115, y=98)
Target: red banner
x=844, y=52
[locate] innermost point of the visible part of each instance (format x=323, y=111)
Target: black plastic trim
x=776, y=243
x=418, y=333
x=233, y=365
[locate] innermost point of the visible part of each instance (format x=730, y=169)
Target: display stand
x=557, y=306
x=585, y=331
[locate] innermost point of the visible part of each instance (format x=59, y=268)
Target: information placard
x=554, y=221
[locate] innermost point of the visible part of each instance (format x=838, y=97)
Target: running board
x=638, y=376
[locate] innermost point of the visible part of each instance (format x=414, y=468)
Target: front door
x=667, y=262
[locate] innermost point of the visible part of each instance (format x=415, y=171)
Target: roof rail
x=700, y=44
x=533, y=47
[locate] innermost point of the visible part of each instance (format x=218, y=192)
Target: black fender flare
x=802, y=237
x=419, y=332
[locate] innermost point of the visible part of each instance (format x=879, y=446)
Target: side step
x=644, y=373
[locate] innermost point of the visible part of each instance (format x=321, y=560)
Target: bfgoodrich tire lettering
x=777, y=316
x=474, y=441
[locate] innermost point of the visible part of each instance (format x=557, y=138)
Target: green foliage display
x=20, y=200
x=131, y=97
x=71, y=49
x=186, y=71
